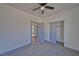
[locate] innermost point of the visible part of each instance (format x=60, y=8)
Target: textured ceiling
x=28, y=7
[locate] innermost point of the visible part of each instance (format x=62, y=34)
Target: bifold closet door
x=53, y=33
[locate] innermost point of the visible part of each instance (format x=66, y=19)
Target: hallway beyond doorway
x=34, y=32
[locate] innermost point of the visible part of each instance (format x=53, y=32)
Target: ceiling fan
x=42, y=7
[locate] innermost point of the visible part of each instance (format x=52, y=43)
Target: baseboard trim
x=46, y=41
x=59, y=42
x=71, y=48
x=49, y=42
x=14, y=48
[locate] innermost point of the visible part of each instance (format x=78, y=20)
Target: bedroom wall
x=15, y=28
x=71, y=27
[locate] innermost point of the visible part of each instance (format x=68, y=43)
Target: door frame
x=31, y=28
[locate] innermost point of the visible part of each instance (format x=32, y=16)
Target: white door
x=53, y=33
x=40, y=32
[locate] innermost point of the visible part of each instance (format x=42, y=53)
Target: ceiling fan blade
x=42, y=4
x=36, y=8
x=42, y=11
x=48, y=7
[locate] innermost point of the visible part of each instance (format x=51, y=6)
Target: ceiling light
x=42, y=8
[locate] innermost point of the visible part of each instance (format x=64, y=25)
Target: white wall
x=15, y=28
x=71, y=27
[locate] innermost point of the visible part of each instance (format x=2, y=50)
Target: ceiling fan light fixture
x=42, y=8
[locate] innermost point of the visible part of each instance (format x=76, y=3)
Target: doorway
x=57, y=32
x=37, y=32
x=34, y=32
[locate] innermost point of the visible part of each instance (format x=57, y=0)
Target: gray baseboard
x=14, y=48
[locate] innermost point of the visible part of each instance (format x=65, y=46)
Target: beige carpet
x=42, y=49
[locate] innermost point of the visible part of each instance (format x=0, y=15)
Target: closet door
x=53, y=33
